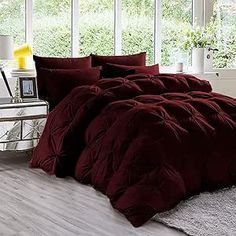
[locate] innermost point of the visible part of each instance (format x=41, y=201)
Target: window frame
x=201, y=9
x=29, y=21
x=75, y=28
x=117, y=27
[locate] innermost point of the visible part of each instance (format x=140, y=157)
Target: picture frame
x=28, y=87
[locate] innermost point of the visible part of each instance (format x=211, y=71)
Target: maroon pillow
x=59, y=82
x=57, y=63
x=129, y=60
x=116, y=70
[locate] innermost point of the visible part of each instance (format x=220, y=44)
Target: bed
x=145, y=141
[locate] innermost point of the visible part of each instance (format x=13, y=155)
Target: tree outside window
x=96, y=26
x=51, y=28
x=12, y=19
x=225, y=16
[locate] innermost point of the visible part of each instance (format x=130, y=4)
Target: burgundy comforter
x=146, y=142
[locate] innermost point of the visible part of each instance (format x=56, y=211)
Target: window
x=138, y=27
x=51, y=28
x=51, y=34
x=225, y=15
x=96, y=27
x=12, y=19
x=176, y=19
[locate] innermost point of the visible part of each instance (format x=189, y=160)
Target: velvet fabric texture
x=147, y=142
x=57, y=63
x=116, y=70
x=129, y=60
x=59, y=82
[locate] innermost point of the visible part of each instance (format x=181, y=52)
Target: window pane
x=225, y=13
x=138, y=27
x=96, y=27
x=12, y=19
x=176, y=19
x=51, y=27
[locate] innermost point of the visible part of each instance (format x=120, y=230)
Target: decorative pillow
x=116, y=70
x=59, y=82
x=129, y=60
x=57, y=63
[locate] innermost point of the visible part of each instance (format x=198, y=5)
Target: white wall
x=225, y=86
x=223, y=83
x=3, y=89
x=12, y=81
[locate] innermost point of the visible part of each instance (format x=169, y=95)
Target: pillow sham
x=138, y=59
x=129, y=60
x=116, y=70
x=57, y=63
x=59, y=82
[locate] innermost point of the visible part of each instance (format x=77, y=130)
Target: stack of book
x=23, y=73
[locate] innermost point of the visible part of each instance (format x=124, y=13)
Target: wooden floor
x=33, y=203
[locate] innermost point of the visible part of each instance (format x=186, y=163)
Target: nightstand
x=21, y=124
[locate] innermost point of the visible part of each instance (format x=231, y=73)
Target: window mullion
x=157, y=32
x=198, y=12
x=117, y=27
x=209, y=4
x=29, y=21
x=74, y=28
x=208, y=13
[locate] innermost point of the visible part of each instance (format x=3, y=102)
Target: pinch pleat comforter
x=147, y=142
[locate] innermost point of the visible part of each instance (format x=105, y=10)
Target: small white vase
x=198, y=60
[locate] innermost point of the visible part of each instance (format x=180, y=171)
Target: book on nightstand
x=23, y=73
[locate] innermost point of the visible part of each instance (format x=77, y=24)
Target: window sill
x=215, y=74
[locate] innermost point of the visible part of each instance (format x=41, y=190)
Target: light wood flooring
x=33, y=203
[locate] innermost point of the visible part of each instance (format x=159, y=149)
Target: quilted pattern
x=146, y=142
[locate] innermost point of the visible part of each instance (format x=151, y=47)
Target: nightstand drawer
x=32, y=129
x=17, y=112
x=10, y=130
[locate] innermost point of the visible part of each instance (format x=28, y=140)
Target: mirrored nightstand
x=21, y=124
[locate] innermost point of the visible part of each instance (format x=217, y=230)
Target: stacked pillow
x=56, y=77
x=60, y=82
x=56, y=63
x=128, y=60
x=116, y=70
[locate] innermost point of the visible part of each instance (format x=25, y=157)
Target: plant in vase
x=198, y=39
